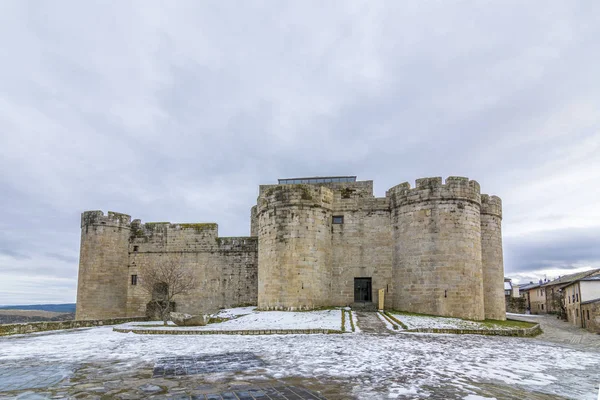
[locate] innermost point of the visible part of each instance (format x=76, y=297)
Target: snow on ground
x=376, y=366
x=355, y=322
x=508, y=314
x=252, y=320
x=235, y=312
x=347, y=324
x=422, y=321
x=387, y=323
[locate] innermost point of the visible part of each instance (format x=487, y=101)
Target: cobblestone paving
x=267, y=393
x=205, y=364
x=369, y=323
x=21, y=378
x=558, y=331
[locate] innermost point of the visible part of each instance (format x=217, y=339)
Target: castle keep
x=314, y=242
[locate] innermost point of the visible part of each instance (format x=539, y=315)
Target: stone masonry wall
x=294, y=250
x=361, y=246
x=491, y=256
x=434, y=249
x=102, y=280
x=592, y=308
x=225, y=268
x=437, y=247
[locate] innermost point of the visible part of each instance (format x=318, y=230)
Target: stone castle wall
x=434, y=249
x=362, y=245
x=491, y=256
x=225, y=268
x=102, y=280
x=437, y=247
x=294, y=247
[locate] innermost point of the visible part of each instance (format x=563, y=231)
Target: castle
x=314, y=242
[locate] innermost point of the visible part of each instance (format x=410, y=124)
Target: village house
x=555, y=304
x=591, y=312
x=585, y=290
x=536, y=296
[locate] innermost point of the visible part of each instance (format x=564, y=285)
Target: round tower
x=104, y=256
x=491, y=257
x=294, y=247
x=436, y=263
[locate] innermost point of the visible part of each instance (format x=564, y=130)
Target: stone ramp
x=369, y=322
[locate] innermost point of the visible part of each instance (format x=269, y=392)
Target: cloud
x=177, y=111
x=564, y=250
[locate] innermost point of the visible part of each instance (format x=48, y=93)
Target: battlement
x=293, y=194
x=345, y=189
x=149, y=229
x=491, y=205
x=237, y=244
x=90, y=218
x=427, y=189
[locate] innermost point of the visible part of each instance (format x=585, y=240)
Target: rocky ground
x=376, y=363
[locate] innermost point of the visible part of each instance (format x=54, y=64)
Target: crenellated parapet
x=113, y=219
x=428, y=189
x=491, y=205
x=293, y=195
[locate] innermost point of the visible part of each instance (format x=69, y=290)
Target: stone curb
x=44, y=326
x=240, y=332
x=524, y=332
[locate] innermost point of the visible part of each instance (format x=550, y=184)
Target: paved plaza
x=558, y=331
x=98, y=363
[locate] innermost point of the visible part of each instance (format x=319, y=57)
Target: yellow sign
x=381, y=298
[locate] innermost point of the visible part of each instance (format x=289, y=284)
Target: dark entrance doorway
x=362, y=290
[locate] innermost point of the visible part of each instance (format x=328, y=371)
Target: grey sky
x=177, y=111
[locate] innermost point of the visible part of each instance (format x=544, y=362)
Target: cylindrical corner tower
x=491, y=256
x=437, y=247
x=294, y=247
x=103, y=260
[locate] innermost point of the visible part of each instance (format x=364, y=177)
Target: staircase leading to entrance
x=364, y=306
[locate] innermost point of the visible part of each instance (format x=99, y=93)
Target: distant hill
x=58, y=308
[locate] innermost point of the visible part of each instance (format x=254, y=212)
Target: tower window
x=136, y=248
x=134, y=280
x=338, y=219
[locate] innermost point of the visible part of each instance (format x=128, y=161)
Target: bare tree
x=165, y=279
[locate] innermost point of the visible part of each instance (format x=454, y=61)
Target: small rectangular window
x=136, y=248
x=134, y=280
x=577, y=296
x=542, y=306
x=588, y=314
x=338, y=219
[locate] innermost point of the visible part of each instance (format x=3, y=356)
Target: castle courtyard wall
x=225, y=268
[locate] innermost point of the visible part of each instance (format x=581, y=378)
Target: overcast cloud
x=177, y=111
